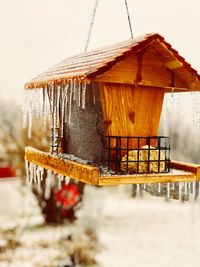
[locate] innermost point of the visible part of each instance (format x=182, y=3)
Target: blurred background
x=81, y=225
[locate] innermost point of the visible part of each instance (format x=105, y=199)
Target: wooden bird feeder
x=105, y=107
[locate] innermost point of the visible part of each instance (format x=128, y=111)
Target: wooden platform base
x=180, y=171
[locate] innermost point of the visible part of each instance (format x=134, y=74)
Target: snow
x=26, y=241
x=144, y=232
x=147, y=232
x=16, y=204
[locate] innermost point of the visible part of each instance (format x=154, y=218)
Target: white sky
x=36, y=34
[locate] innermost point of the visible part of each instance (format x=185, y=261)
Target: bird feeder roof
x=91, y=64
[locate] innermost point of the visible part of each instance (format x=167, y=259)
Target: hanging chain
x=91, y=25
x=129, y=20
x=93, y=18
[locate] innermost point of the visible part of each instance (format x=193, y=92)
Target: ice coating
x=35, y=174
x=183, y=191
x=55, y=102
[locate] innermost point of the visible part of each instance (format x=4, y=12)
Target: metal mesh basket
x=138, y=154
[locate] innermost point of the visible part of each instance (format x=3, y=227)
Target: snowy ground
x=147, y=232
x=25, y=241
x=132, y=231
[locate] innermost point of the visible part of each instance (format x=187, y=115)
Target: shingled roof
x=88, y=65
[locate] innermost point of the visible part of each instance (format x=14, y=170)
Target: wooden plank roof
x=89, y=65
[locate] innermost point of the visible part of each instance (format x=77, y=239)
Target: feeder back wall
x=112, y=109
x=84, y=137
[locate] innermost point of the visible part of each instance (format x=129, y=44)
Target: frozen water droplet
x=27, y=171
x=38, y=176
x=62, y=110
x=48, y=184
x=67, y=180
x=70, y=104
x=79, y=93
x=31, y=172
x=196, y=190
x=93, y=93
x=66, y=101
x=173, y=186
x=159, y=188
x=180, y=190
x=74, y=89
x=29, y=125
x=168, y=190
x=60, y=180
x=84, y=87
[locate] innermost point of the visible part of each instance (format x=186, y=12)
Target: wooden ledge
x=84, y=173
x=147, y=178
x=180, y=172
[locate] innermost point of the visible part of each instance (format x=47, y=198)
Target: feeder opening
x=138, y=154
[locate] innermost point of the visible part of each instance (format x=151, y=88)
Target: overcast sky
x=36, y=34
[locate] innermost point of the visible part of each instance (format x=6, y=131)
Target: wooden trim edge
x=91, y=175
x=84, y=173
x=188, y=167
x=116, y=180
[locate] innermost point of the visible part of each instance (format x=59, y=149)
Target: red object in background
x=68, y=196
x=6, y=172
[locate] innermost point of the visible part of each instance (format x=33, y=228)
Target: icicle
x=25, y=118
x=60, y=180
x=43, y=103
x=42, y=173
x=67, y=180
x=58, y=105
x=140, y=189
x=30, y=124
x=70, y=104
x=37, y=103
x=66, y=102
x=159, y=188
x=38, y=176
x=198, y=111
x=54, y=108
x=180, y=191
x=51, y=97
x=192, y=188
x=84, y=94
x=31, y=171
x=173, y=186
x=74, y=89
x=168, y=191
x=27, y=171
x=172, y=101
x=196, y=190
x=34, y=173
x=79, y=93
x=47, y=192
x=185, y=191
x=137, y=189
x=59, y=183
x=62, y=110
x=144, y=187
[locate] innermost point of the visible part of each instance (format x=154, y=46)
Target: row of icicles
x=36, y=174
x=181, y=190
x=55, y=102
